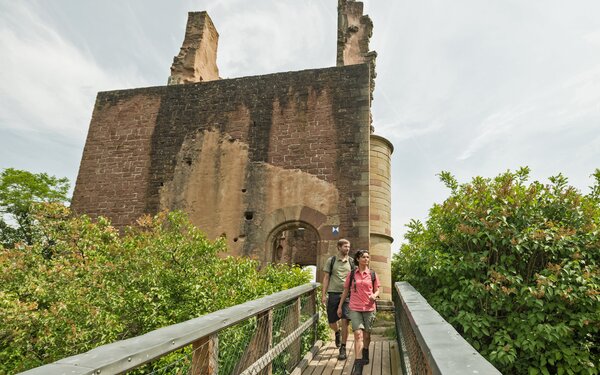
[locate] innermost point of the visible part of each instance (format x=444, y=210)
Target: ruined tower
x=282, y=165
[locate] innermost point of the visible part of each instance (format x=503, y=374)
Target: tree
x=100, y=286
x=19, y=192
x=514, y=266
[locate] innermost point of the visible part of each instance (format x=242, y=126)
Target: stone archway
x=292, y=218
x=295, y=243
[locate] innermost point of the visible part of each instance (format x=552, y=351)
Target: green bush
x=514, y=267
x=81, y=284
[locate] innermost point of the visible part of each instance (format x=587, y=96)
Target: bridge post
x=205, y=357
x=260, y=343
x=313, y=308
x=293, y=323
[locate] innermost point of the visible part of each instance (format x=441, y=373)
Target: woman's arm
x=375, y=294
x=342, y=299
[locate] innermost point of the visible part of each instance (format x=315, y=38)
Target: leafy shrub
x=81, y=284
x=514, y=267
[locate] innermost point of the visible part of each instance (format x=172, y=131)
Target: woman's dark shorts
x=333, y=301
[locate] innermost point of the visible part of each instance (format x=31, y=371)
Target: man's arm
x=324, y=287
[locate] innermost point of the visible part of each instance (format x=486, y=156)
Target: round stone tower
x=380, y=211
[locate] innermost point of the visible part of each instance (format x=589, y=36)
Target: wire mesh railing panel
x=199, y=358
x=272, y=342
x=268, y=335
x=413, y=358
x=418, y=362
x=178, y=362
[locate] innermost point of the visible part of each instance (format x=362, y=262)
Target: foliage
x=514, y=266
x=99, y=286
x=19, y=192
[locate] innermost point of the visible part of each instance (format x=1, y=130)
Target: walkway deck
x=383, y=352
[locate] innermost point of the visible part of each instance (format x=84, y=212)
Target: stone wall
x=197, y=58
x=236, y=154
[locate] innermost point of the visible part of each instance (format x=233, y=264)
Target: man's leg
x=338, y=336
x=332, y=317
x=345, y=323
x=344, y=338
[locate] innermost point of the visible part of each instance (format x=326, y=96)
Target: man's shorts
x=362, y=320
x=333, y=301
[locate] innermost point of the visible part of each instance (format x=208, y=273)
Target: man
x=335, y=270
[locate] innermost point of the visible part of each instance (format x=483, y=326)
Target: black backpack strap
x=352, y=279
x=373, y=279
x=331, y=265
x=352, y=265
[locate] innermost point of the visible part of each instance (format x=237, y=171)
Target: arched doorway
x=295, y=243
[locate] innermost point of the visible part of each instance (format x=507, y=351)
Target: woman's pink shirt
x=359, y=299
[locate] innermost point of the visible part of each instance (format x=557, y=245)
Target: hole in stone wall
x=243, y=190
x=235, y=239
x=249, y=215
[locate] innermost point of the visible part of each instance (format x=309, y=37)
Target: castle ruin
x=282, y=165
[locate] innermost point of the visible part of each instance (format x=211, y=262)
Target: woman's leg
x=358, y=343
x=366, y=343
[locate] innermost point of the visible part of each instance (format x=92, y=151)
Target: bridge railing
x=429, y=344
x=264, y=336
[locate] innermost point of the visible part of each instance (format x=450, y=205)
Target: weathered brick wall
x=291, y=130
x=115, y=166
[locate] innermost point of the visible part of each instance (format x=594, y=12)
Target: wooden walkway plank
x=386, y=359
x=332, y=362
x=326, y=362
x=346, y=367
x=376, y=358
x=316, y=366
x=367, y=368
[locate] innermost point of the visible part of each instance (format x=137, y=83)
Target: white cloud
x=48, y=85
x=263, y=38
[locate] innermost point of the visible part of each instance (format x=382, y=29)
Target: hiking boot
x=358, y=367
x=338, y=339
x=365, y=353
x=342, y=355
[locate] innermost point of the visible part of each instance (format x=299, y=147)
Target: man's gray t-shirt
x=340, y=270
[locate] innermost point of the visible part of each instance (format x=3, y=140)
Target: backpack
x=352, y=270
x=352, y=279
x=350, y=259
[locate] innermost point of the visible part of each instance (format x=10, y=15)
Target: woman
x=363, y=287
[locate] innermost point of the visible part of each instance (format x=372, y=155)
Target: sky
x=473, y=87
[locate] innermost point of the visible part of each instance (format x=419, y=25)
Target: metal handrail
x=125, y=355
x=428, y=343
